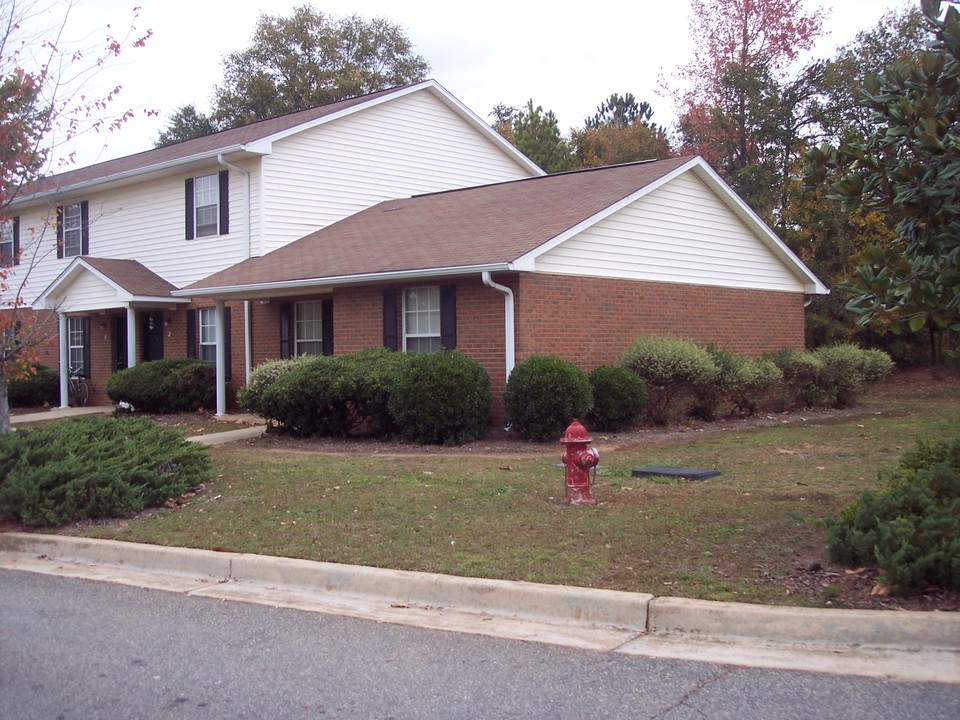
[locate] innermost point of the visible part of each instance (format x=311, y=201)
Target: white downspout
x=509, y=333
x=247, y=252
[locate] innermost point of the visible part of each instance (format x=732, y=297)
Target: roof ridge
x=578, y=171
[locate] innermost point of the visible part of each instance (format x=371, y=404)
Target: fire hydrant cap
x=576, y=433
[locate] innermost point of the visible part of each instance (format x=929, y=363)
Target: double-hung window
x=308, y=328
x=72, y=229
x=207, y=205
x=208, y=335
x=421, y=319
x=10, y=242
x=77, y=345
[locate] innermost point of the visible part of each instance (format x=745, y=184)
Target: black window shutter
x=85, y=324
x=326, y=326
x=15, y=260
x=192, y=334
x=285, y=311
x=59, y=231
x=188, y=204
x=228, y=357
x=85, y=228
x=390, y=339
x=224, y=202
x=448, y=316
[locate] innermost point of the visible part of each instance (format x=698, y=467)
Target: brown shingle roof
x=201, y=146
x=487, y=225
x=131, y=276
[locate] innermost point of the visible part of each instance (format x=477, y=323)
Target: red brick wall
x=590, y=321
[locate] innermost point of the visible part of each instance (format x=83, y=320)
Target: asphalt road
x=82, y=649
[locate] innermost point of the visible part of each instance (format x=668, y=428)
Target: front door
x=119, y=342
x=151, y=328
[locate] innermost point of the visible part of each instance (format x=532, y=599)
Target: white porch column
x=221, y=358
x=64, y=362
x=131, y=337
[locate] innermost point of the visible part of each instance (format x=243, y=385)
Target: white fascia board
x=293, y=286
x=527, y=260
x=812, y=284
x=146, y=170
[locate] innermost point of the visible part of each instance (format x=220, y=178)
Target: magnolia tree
x=45, y=103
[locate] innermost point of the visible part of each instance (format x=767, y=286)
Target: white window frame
x=207, y=335
x=308, y=327
x=206, y=199
x=421, y=319
x=76, y=349
x=72, y=220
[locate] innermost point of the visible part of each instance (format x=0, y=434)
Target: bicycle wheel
x=83, y=394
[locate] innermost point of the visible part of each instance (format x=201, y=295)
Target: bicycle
x=79, y=390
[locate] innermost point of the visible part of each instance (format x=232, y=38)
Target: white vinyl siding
x=308, y=333
x=421, y=319
x=408, y=146
x=679, y=233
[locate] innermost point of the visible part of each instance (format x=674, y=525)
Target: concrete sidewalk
x=905, y=646
x=251, y=427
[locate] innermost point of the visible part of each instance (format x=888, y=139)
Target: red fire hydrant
x=579, y=461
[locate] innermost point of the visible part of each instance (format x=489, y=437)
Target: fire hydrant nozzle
x=579, y=460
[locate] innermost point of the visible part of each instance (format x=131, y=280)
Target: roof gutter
x=509, y=333
x=284, y=286
x=169, y=164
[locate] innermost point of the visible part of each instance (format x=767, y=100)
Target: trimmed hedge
x=441, y=398
x=40, y=386
x=544, y=395
x=619, y=398
x=94, y=467
x=169, y=385
x=675, y=371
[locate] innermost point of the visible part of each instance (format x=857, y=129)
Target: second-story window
x=207, y=211
x=73, y=229
x=10, y=242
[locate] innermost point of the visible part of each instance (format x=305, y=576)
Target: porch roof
x=111, y=282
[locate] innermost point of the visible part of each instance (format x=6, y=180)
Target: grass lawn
x=500, y=514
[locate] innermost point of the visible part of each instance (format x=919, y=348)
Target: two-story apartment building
x=397, y=219
x=104, y=246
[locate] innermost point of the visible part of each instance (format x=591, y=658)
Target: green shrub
x=757, y=379
x=442, y=398
x=674, y=370
x=544, y=394
x=374, y=372
x=801, y=375
x=877, y=365
x=309, y=399
x=41, y=386
x=711, y=397
x=911, y=527
x=619, y=398
x=169, y=385
x=94, y=467
x=328, y=396
x=249, y=396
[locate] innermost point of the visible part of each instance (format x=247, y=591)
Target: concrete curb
x=906, y=645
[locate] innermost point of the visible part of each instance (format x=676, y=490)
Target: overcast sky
x=567, y=57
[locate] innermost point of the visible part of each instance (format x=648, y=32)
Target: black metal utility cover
x=689, y=473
